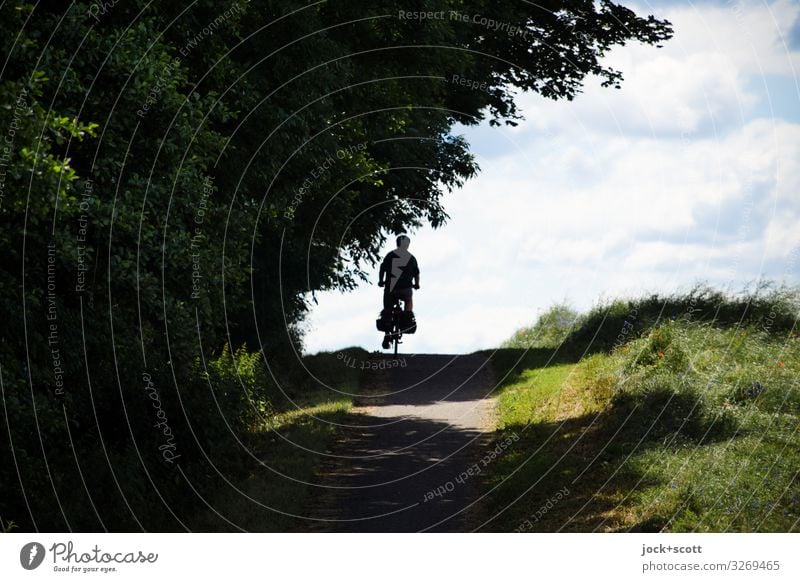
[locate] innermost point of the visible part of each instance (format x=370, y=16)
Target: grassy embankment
x=284, y=448
x=659, y=414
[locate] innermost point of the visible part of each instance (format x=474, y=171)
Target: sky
x=689, y=173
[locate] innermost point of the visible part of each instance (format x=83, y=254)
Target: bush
x=239, y=381
x=549, y=331
x=122, y=472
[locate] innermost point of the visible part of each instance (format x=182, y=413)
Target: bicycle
x=396, y=334
x=398, y=326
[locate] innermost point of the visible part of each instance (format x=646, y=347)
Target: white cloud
x=698, y=83
x=753, y=34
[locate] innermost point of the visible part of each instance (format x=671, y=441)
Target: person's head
x=403, y=241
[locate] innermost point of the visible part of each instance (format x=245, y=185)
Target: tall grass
x=690, y=423
x=610, y=323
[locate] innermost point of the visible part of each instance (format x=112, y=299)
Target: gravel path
x=424, y=428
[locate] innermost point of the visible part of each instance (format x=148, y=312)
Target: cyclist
x=398, y=275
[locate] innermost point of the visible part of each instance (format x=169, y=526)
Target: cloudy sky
x=690, y=172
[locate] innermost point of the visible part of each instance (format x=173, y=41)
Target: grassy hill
x=674, y=414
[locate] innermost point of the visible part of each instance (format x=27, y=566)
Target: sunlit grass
x=534, y=397
x=690, y=427
x=287, y=419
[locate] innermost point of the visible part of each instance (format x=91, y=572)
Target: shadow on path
x=421, y=429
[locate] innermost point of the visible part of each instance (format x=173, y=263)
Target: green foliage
x=549, y=331
x=241, y=381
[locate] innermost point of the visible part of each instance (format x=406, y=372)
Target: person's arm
x=416, y=274
x=381, y=272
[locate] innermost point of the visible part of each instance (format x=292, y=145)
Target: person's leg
x=388, y=304
x=408, y=303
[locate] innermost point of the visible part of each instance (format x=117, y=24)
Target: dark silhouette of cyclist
x=399, y=276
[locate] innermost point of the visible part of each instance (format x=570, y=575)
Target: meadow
x=676, y=413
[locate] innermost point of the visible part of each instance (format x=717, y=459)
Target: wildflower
x=781, y=364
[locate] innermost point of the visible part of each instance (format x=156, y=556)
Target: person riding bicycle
x=398, y=275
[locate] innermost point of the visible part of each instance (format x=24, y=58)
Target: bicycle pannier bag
x=408, y=323
x=384, y=322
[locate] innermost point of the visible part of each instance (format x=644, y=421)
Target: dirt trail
x=424, y=427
